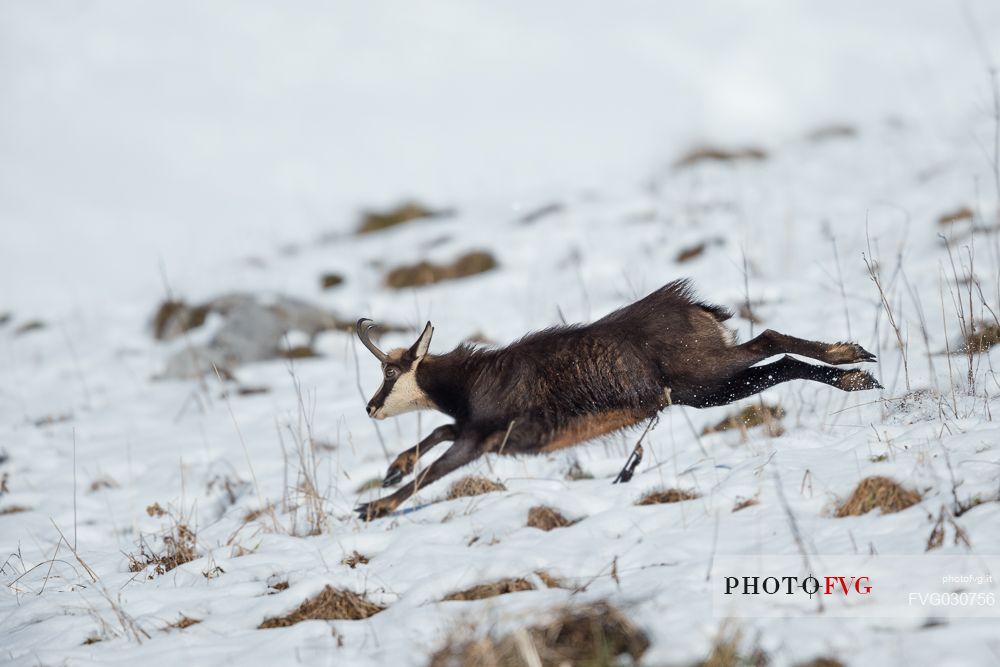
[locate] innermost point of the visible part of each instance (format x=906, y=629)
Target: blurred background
x=141, y=137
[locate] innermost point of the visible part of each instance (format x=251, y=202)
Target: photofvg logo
x=856, y=586
x=809, y=585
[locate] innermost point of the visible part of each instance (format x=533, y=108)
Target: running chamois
x=568, y=384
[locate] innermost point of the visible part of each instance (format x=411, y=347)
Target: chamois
x=568, y=384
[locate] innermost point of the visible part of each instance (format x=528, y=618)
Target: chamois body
x=568, y=384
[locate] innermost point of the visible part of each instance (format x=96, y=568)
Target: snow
x=228, y=148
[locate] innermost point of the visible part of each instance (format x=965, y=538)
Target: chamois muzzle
x=364, y=327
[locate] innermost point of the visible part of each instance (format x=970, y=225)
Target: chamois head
x=399, y=392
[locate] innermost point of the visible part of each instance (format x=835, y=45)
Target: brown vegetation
x=179, y=546
x=183, y=622
x=13, y=509
x=356, y=558
x=750, y=417
x=984, y=336
x=727, y=652
x=329, y=280
x=298, y=352
x=28, y=327
x=546, y=518
x=958, y=215
x=593, y=635
x=743, y=503
x=427, y=273
x=473, y=486
x=715, y=154
x=329, y=604
x=173, y=318
x=880, y=492
x=502, y=587
x=661, y=496
x=373, y=221
x=828, y=132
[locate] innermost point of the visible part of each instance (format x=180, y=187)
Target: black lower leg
x=757, y=379
x=406, y=461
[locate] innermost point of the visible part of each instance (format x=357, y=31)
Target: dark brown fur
x=565, y=385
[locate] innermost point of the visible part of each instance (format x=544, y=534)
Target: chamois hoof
x=848, y=353
x=392, y=477
x=858, y=380
x=375, y=509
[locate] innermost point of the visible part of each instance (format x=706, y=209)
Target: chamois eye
x=391, y=372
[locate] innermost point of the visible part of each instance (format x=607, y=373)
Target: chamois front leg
x=463, y=451
x=405, y=462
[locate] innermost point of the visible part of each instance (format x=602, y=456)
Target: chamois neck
x=445, y=379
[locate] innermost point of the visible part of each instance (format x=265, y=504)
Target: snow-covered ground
x=229, y=147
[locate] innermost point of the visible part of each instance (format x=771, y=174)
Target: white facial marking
x=406, y=396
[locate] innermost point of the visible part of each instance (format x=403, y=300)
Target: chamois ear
x=419, y=349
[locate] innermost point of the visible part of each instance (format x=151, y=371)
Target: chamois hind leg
x=405, y=462
x=771, y=343
x=757, y=379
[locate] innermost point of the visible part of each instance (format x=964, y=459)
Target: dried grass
x=329, y=604
x=880, y=492
x=28, y=327
x=427, y=273
x=661, y=496
x=984, y=336
x=958, y=215
x=691, y=252
x=715, y=154
x=104, y=482
x=502, y=587
x=330, y=280
x=373, y=221
x=726, y=651
x=546, y=518
x=356, y=558
x=827, y=132
x=180, y=545
x=749, y=417
x=183, y=622
x=593, y=636
x=743, y=503
x=821, y=662
x=14, y=509
x=473, y=486
x=174, y=317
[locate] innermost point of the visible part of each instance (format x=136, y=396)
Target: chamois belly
x=588, y=427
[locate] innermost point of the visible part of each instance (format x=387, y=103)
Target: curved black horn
x=363, y=327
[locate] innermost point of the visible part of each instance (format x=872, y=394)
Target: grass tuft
x=373, y=221
x=473, y=486
x=751, y=416
x=173, y=318
x=183, y=622
x=356, y=558
x=983, y=336
x=329, y=604
x=593, y=635
x=958, y=215
x=662, y=496
x=715, y=154
x=502, y=587
x=427, y=273
x=546, y=518
x=880, y=492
